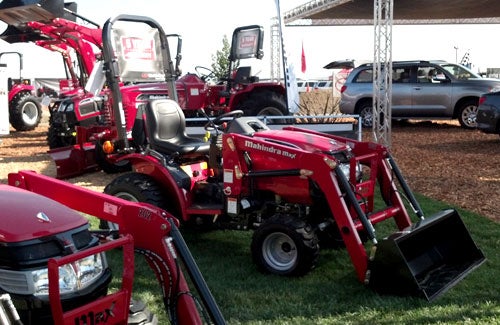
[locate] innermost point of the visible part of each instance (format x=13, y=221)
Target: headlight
x=346, y=170
x=72, y=277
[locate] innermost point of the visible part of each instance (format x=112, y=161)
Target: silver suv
x=420, y=89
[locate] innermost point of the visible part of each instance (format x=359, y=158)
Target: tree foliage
x=220, y=61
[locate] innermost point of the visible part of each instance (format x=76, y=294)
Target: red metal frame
x=113, y=308
x=148, y=225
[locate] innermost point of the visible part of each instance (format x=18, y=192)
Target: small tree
x=220, y=61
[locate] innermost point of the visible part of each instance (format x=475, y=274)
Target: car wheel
x=468, y=114
x=366, y=114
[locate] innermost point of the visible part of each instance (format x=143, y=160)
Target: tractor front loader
x=55, y=271
x=298, y=190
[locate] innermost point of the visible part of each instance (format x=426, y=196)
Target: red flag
x=303, y=60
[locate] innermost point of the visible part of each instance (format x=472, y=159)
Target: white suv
x=420, y=89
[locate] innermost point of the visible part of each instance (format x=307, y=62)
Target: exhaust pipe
x=425, y=259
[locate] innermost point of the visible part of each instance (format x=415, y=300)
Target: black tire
x=467, y=114
x=285, y=245
x=264, y=103
x=134, y=187
x=55, y=140
x=139, y=314
x=107, y=166
x=25, y=112
x=365, y=111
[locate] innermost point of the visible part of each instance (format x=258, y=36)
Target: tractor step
x=205, y=208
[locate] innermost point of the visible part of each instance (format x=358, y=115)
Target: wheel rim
x=367, y=117
x=279, y=251
x=469, y=115
x=30, y=113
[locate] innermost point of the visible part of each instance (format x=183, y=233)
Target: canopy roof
x=405, y=12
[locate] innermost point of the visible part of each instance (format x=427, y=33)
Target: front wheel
x=25, y=112
x=468, y=114
x=134, y=187
x=285, y=245
x=139, y=314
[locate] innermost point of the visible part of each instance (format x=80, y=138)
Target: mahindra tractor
x=25, y=110
x=239, y=90
x=54, y=267
x=296, y=189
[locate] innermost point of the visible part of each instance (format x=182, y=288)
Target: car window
x=364, y=76
x=401, y=75
x=425, y=74
x=459, y=71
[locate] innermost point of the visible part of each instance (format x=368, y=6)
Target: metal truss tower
x=276, y=74
x=382, y=71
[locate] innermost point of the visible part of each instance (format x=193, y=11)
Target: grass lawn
x=331, y=293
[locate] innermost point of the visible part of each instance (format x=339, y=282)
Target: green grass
x=331, y=293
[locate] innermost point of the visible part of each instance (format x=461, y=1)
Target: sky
x=203, y=24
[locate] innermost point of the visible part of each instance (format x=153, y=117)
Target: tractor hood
x=306, y=141
x=27, y=216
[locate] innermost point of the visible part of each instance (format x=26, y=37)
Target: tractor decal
x=270, y=149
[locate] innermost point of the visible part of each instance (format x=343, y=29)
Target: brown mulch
x=439, y=160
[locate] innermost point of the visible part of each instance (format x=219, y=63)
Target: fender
x=20, y=89
x=148, y=165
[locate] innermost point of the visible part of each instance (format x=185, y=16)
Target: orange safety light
x=108, y=147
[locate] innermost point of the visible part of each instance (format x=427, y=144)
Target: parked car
x=488, y=113
x=324, y=85
x=307, y=85
x=420, y=90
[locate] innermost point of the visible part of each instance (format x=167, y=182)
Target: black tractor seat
x=166, y=131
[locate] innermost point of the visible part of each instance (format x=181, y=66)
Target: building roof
x=405, y=12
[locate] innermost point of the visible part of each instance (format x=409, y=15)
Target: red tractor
x=239, y=90
x=53, y=266
x=25, y=110
x=296, y=189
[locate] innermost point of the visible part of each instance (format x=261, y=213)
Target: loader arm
x=154, y=233
x=74, y=35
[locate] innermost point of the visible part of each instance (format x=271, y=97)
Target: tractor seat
x=166, y=127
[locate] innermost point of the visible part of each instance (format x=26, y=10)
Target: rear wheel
x=468, y=114
x=25, y=112
x=365, y=112
x=264, y=103
x=285, y=245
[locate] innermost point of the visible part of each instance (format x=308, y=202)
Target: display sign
x=4, y=101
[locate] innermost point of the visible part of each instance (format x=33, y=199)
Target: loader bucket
x=74, y=160
x=425, y=259
x=16, y=13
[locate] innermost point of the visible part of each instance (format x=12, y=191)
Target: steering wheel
x=216, y=123
x=205, y=73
